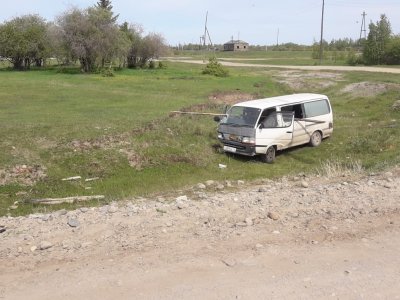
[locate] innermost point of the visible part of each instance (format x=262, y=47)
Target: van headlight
x=248, y=140
x=220, y=136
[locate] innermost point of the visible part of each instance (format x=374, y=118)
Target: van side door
x=300, y=134
x=275, y=129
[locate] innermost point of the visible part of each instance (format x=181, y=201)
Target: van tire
x=316, y=139
x=269, y=156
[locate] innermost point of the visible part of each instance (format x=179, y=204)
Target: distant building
x=237, y=45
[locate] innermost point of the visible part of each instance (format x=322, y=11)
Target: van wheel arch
x=316, y=138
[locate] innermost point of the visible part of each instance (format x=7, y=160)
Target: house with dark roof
x=236, y=45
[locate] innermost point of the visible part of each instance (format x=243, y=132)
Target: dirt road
x=294, y=238
x=291, y=67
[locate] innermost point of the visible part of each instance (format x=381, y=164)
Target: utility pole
x=363, y=29
x=277, y=38
x=321, y=52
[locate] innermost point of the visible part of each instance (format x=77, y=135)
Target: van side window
x=297, y=109
x=267, y=118
x=316, y=108
x=278, y=120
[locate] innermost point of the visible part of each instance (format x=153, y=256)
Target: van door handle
x=289, y=131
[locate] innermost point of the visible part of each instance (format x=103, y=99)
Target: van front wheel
x=316, y=139
x=269, y=156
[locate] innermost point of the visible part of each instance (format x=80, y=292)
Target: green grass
x=119, y=129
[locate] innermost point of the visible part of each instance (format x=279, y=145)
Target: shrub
x=152, y=64
x=392, y=54
x=107, y=72
x=162, y=65
x=353, y=58
x=215, y=68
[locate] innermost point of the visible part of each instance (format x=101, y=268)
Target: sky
x=258, y=22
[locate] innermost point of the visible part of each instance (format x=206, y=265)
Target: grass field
x=119, y=129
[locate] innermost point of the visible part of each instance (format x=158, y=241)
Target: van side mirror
x=217, y=119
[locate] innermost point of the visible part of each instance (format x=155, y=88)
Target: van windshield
x=242, y=116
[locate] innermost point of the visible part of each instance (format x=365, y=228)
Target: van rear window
x=316, y=108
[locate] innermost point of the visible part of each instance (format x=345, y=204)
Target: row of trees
x=90, y=36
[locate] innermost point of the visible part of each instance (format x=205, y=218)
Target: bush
x=392, y=53
x=107, y=72
x=215, y=68
x=152, y=64
x=162, y=65
x=353, y=58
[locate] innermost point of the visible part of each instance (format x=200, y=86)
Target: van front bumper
x=239, y=148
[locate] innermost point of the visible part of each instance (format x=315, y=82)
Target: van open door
x=275, y=130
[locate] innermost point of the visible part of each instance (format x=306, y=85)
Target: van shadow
x=290, y=152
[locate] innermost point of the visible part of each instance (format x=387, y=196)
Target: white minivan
x=261, y=127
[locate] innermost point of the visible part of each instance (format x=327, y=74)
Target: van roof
x=281, y=100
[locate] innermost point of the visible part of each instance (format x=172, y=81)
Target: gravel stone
x=44, y=245
x=230, y=262
x=220, y=187
x=274, y=216
x=182, y=205
x=249, y=221
x=112, y=209
x=182, y=199
x=73, y=223
x=201, y=186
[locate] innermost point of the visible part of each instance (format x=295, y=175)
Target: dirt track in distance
x=290, y=67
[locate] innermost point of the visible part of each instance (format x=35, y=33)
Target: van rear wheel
x=269, y=156
x=316, y=139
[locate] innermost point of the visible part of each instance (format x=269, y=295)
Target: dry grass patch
x=369, y=89
x=300, y=80
x=22, y=174
x=335, y=168
x=231, y=98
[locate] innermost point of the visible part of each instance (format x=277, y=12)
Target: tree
x=106, y=4
x=134, y=34
x=23, y=40
x=142, y=49
x=378, y=37
x=92, y=37
x=152, y=46
x=58, y=46
x=392, y=51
